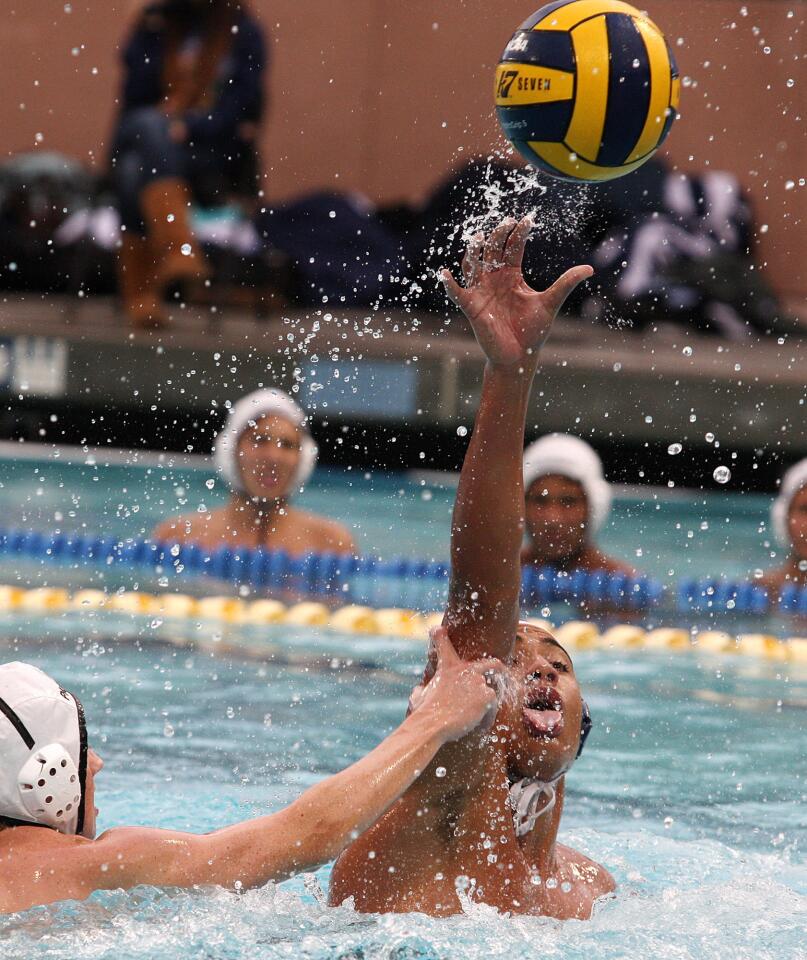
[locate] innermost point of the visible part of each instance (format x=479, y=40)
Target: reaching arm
x=315, y=827
x=511, y=321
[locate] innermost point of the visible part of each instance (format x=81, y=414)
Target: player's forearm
x=488, y=521
x=323, y=821
x=345, y=805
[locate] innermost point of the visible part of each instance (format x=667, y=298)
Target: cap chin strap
x=531, y=799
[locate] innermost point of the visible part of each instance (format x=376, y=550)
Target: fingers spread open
x=514, y=248
x=453, y=289
x=563, y=286
x=494, y=247
x=472, y=261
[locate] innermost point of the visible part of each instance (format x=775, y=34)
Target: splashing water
x=706, y=844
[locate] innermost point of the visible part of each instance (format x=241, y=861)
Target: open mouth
x=543, y=712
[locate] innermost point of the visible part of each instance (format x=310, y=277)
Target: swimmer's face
x=268, y=455
x=538, y=723
x=94, y=766
x=797, y=524
x=557, y=517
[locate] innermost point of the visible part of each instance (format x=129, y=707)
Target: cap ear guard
x=586, y=724
x=50, y=787
x=43, y=751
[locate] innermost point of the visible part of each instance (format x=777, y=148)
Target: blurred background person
x=568, y=500
x=266, y=455
x=789, y=522
x=191, y=104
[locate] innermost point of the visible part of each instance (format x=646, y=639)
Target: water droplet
x=722, y=474
x=668, y=822
x=186, y=249
x=674, y=449
x=462, y=431
x=170, y=218
x=710, y=437
x=687, y=351
x=168, y=730
x=440, y=772
x=210, y=483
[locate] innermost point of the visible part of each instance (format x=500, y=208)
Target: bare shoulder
x=325, y=533
x=602, y=561
x=191, y=527
x=585, y=871
x=773, y=579
x=47, y=866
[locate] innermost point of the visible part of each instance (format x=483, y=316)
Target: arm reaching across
x=511, y=321
x=312, y=830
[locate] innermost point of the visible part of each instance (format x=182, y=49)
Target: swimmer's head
x=567, y=496
x=789, y=511
x=264, y=451
x=46, y=768
x=540, y=719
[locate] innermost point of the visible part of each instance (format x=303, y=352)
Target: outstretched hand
x=463, y=694
x=510, y=319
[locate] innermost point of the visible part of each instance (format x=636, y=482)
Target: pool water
x=692, y=791
x=665, y=534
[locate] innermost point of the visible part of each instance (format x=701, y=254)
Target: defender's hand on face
x=510, y=319
x=462, y=694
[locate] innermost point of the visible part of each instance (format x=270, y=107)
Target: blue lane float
x=374, y=581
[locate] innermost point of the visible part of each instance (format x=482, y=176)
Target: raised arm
x=511, y=322
x=315, y=827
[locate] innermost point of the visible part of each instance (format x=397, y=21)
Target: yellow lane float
x=307, y=614
x=265, y=611
x=45, y=598
x=580, y=634
x=354, y=619
x=229, y=609
x=390, y=621
x=89, y=600
x=132, y=601
x=623, y=636
x=668, y=638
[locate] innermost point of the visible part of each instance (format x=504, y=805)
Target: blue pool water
x=665, y=534
x=692, y=793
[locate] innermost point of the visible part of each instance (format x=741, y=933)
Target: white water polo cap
x=794, y=480
x=43, y=751
x=568, y=456
x=248, y=411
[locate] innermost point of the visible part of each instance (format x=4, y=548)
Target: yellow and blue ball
x=587, y=90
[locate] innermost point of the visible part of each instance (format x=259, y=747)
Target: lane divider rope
x=380, y=582
x=390, y=621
